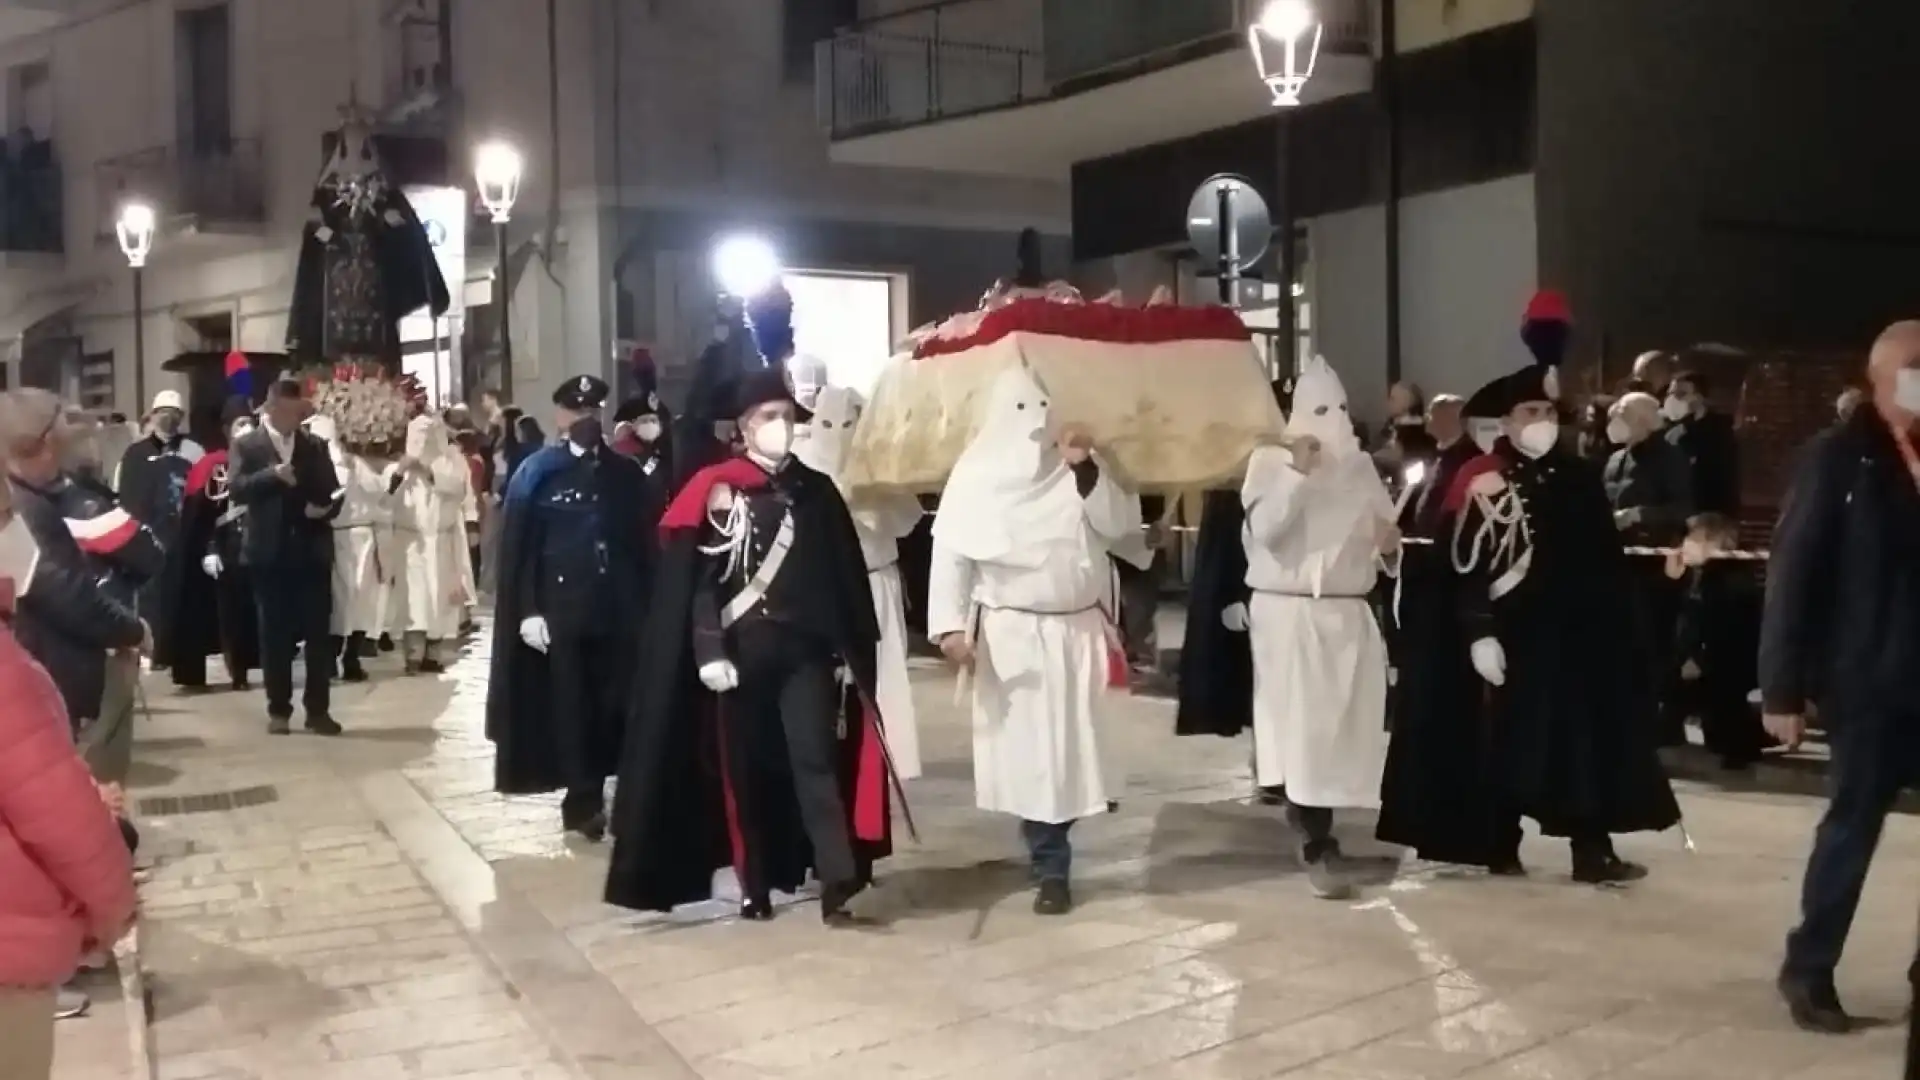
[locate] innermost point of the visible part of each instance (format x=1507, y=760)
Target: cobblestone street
x=366, y=908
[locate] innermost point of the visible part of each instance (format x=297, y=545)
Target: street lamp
x=134, y=230
x=496, y=172
x=1285, y=41
x=745, y=266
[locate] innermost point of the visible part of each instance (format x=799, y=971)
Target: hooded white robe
x=1319, y=660
x=431, y=531
x=356, y=557
x=1021, y=565
x=881, y=520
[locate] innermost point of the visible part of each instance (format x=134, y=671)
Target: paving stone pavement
x=387, y=917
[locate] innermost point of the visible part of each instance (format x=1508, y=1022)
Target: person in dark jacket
x=286, y=480
x=1705, y=435
x=151, y=480
x=1651, y=489
x=1841, y=627
x=126, y=556
x=62, y=617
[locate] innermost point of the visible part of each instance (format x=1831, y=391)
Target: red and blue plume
x=770, y=317
x=1547, y=327
x=239, y=375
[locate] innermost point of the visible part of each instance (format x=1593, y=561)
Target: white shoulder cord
x=736, y=532
x=1503, y=521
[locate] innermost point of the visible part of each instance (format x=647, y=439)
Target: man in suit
x=285, y=479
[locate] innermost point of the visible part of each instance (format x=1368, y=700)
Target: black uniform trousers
x=295, y=604
x=785, y=718
x=585, y=674
x=1874, y=757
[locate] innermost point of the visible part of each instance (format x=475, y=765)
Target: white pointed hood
x=822, y=442
x=1001, y=503
x=1320, y=410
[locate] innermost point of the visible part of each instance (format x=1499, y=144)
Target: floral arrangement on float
x=369, y=408
x=1176, y=396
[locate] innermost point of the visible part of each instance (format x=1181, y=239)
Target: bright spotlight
x=745, y=266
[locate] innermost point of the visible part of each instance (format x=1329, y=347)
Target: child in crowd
x=1719, y=638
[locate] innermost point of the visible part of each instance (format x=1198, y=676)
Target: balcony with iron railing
x=962, y=57
x=214, y=186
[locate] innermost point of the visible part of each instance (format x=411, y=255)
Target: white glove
x=533, y=631
x=212, y=565
x=720, y=676
x=1234, y=618
x=1490, y=660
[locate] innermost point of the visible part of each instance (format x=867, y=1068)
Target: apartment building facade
x=1698, y=172
x=647, y=131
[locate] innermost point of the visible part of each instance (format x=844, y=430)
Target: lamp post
x=1285, y=41
x=134, y=230
x=496, y=172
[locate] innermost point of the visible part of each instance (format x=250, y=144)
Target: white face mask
x=647, y=430
x=1906, y=390
x=773, y=440
x=1538, y=437
x=1618, y=431
x=1676, y=409
x=1484, y=434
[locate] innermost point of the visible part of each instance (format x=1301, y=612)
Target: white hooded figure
x=1021, y=591
x=1318, y=518
x=881, y=520
x=431, y=532
x=357, y=578
x=808, y=374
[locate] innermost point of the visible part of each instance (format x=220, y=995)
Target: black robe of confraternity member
x=1216, y=663
x=787, y=772
x=211, y=615
x=152, y=485
x=1435, y=794
x=577, y=550
x=1572, y=731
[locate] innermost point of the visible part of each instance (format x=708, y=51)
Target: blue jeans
x=1049, y=848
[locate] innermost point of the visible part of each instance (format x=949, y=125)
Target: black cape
x=1439, y=794
x=1216, y=664
x=670, y=818
x=208, y=616
x=520, y=720
x=1574, y=729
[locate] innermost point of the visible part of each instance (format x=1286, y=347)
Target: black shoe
x=1271, y=796
x=385, y=644
x=279, y=725
x=1507, y=866
x=1610, y=870
x=322, y=725
x=242, y=684
x=1814, y=1005
x=834, y=897
x=592, y=829
x=354, y=675
x=1053, y=897
x=432, y=667
x=756, y=909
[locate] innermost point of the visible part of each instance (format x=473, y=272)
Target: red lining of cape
x=1108, y=323
x=202, y=471
x=1457, y=491
x=688, y=510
